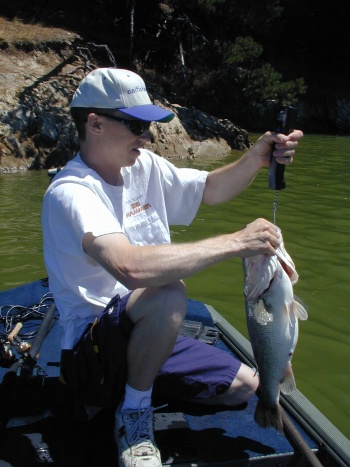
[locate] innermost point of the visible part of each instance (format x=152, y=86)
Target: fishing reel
x=26, y=366
x=23, y=365
x=7, y=357
x=12, y=340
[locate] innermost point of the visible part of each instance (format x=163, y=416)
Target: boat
x=41, y=425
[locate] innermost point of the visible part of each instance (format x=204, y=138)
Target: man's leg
x=203, y=374
x=157, y=314
x=242, y=388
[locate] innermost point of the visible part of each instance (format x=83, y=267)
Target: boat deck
x=39, y=418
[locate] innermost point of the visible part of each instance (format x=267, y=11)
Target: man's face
x=119, y=137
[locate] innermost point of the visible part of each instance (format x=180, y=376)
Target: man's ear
x=94, y=123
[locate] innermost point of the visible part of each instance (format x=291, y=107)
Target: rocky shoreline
x=38, y=77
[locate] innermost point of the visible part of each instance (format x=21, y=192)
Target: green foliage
x=243, y=87
x=210, y=5
x=264, y=85
x=232, y=58
x=244, y=51
x=260, y=82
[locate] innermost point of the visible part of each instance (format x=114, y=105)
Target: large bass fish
x=272, y=313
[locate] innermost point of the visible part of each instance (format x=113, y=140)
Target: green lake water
x=313, y=213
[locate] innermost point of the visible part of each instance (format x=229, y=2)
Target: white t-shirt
x=152, y=195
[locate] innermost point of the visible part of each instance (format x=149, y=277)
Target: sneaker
x=135, y=438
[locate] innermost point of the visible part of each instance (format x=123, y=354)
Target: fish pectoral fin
x=288, y=382
x=261, y=315
x=299, y=309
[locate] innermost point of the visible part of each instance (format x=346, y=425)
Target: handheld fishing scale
x=285, y=124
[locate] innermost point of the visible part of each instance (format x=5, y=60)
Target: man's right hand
x=260, y=237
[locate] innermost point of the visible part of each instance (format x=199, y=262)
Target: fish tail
x=267, y=417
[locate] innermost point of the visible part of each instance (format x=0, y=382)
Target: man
x=116, y=277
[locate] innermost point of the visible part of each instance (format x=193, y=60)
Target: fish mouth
x=287, y=269
x=287, y=264
x=286, y=261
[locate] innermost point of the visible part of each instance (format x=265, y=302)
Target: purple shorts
x=96, y=368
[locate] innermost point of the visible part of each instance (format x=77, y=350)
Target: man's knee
x=244, y=385
x=242, y=388
x=173, y=294
x=167, y=302
x=172, y=302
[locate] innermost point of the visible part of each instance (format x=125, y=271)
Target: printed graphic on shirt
x=142, y=223
x=136, y=208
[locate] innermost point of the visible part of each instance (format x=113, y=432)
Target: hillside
x=40, y=67
x=27, y=53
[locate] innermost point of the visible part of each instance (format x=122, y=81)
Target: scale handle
x=285, y=124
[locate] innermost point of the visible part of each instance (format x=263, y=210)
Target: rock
x=36, y=130
x=49, y=129
x=192, y=134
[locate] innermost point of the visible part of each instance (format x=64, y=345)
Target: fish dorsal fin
x=261, y=315
x=299, y=309
x=288, y=382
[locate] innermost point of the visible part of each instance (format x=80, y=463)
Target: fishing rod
x=285, y=124
x=298, y=442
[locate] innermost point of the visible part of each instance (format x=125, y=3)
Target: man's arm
x=153, y=266
x=227, y=182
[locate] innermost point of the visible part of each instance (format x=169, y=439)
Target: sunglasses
x=137, y=127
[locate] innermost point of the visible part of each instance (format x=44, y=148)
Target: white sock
x=135, y=399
